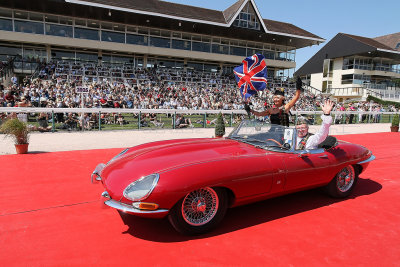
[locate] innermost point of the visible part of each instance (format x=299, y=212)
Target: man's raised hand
x=327, y=107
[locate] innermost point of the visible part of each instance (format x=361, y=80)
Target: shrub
x=395, y=120
x=220, y=126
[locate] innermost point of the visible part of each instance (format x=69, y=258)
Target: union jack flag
x=251, y=76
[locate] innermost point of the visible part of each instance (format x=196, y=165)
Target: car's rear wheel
x=343, y=183
x=199, y=211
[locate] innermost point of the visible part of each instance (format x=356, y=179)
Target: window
x=201, y=47
x=180, y=44
x=20, y=14
x=63, y=55
x=87, y=34
x=59, y=30
x=348, y=63
x=252, y=51
x=326, y=67
x=136, y=39
x=36, y=16
x=238, y=51
x=247, y=18
x=5, y=13
x=67, y=21
x=6, y=25
x=51, y=18
x=159, y=42
x=28, y=27
x=195, y=66
x=11, y=50
x=93, y=24
x=269, y=54
x=220, y=49
x=211, y=68
x=347, y=79
x=120, y=59
x=115, y=37
x=397, y=46
x=86, y=57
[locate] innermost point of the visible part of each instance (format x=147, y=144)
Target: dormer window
x=247, y=18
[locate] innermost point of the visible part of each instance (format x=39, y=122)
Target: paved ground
x=66, y=141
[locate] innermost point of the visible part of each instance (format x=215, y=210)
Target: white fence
x=163, y=111
x=341, y=117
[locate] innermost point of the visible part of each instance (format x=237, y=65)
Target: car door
x=307, y=168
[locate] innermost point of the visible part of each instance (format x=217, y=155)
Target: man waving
x=306, y=140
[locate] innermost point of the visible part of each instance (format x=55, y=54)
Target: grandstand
x=147, y=34
x=351, y=67
x=141, y=55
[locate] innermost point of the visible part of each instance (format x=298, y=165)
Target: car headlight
x=142, y=188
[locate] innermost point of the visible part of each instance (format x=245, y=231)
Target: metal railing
x=353, y=91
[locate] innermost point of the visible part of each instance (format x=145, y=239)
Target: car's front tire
x=199, y=211
x=343, y=183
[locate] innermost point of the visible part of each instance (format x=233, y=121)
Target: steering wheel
x=273, y=140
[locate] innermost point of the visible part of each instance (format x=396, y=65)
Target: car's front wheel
x=343, y=183
x=199, y=211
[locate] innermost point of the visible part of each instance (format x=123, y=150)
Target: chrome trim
x=130, y=209
x=371, y=158
x=105, y=195
x=95, y=177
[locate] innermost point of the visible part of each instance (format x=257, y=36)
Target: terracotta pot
x=219, y=136
x=22, y=149
x=394, y=128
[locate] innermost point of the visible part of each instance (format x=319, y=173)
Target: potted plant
x=395, y=123
x=220, y=126
x=18, y=130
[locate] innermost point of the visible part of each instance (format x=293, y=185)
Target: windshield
x=264, y=135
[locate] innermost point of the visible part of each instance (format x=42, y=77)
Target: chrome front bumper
x=371, y=158
x=132, y=210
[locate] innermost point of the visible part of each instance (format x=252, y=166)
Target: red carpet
x=50, y=215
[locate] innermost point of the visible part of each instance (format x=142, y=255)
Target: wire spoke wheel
x=345, y=179
x=200, y=206
x=343, y=183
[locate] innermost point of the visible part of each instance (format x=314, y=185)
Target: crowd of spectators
x=361, y=106
x=121, y=86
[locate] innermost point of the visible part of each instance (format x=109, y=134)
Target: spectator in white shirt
x=306, y=140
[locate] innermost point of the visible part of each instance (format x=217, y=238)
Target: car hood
x=159, y=157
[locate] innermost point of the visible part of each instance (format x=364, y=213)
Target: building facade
x=147, y=34
x=352, y=66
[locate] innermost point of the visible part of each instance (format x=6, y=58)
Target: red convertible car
x=195, y=181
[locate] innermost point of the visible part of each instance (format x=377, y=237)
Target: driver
x=306, y=140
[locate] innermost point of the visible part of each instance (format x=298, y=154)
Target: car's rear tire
x=199, y=211
x=343, y=183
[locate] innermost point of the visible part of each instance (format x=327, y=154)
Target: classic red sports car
x=194, y=181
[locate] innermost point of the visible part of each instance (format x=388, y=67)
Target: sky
x=365, y=18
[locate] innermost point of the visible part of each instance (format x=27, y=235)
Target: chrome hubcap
x=345, y=179
x=200, y=206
